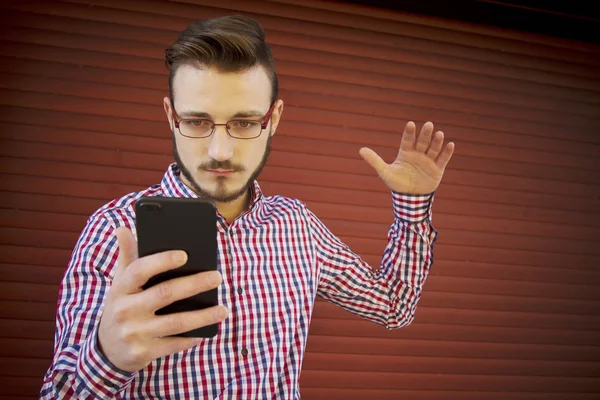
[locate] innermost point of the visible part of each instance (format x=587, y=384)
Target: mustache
x=214, y=164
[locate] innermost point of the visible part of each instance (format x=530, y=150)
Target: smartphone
x=189, y=224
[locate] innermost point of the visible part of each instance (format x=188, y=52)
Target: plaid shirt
x=275, y=258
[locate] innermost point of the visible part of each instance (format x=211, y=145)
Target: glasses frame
x=263, y=125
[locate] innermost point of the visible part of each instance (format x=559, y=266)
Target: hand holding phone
x=130, y=334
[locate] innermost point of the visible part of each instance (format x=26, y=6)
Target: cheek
x=190, y=151
x=255, y=153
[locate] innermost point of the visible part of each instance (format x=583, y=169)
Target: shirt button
x=240, y=290
x=244, y=352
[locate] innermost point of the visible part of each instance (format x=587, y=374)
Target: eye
x=197, y=123
x=244, y=124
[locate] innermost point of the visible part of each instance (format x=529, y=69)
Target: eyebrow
x=239, y=114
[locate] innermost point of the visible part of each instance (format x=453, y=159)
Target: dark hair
x=229, y=44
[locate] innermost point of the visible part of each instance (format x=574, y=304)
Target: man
x=274, y=257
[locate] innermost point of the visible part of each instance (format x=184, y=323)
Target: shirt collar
x=172, y=186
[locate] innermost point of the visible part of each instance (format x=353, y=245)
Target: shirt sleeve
x=388, y=295
x=79, y=369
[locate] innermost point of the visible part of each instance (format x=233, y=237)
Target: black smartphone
x=170, y=223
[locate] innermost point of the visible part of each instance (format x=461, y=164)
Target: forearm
x=79, y=369
x=408, y=257
x=83, y=372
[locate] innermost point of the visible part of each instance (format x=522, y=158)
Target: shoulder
x=97, y=247
x=287, y=210
x=285, y=204
x=121, y=211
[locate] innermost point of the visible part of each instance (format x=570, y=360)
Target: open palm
x=420, y=164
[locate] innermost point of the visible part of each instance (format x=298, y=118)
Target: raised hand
x=420, y=164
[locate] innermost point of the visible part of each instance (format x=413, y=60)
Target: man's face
x=221, y=167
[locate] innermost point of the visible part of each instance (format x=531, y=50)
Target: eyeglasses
x=197, y=128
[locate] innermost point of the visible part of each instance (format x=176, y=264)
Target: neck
x=229, y=210
x=233, y=209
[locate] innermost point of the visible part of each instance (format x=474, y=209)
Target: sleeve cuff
x=99, y=376
x=412, y=208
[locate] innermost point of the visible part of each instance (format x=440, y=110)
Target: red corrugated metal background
x=511, y=309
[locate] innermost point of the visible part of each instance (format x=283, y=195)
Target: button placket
x=237, y=271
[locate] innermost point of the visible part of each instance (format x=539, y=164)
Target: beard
x=221, y=194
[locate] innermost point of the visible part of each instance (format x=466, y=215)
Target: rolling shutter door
x=510, y=309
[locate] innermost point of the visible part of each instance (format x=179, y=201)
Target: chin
x=221, y=190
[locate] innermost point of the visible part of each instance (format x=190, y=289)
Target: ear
x=276, y=116
x=169, y=111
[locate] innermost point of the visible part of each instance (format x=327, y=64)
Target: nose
x=221, y=145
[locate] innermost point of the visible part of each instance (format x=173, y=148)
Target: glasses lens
x=195, y=127
x=244, y=129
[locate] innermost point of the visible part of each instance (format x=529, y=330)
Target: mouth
x=221, y=172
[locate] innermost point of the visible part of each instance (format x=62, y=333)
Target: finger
x=174, y=324
x=373, y=160
x=424, y=139
x=141, y=270
x=127, y=250
x=165, y=293
x=408, y=137
x=436, y=145
x=445, y=156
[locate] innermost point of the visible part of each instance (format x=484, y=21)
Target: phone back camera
x=150, y=206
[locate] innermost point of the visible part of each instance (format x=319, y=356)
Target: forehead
x=220, y=93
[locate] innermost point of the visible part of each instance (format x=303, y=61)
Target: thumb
x=128, y=252
x=373, y=160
